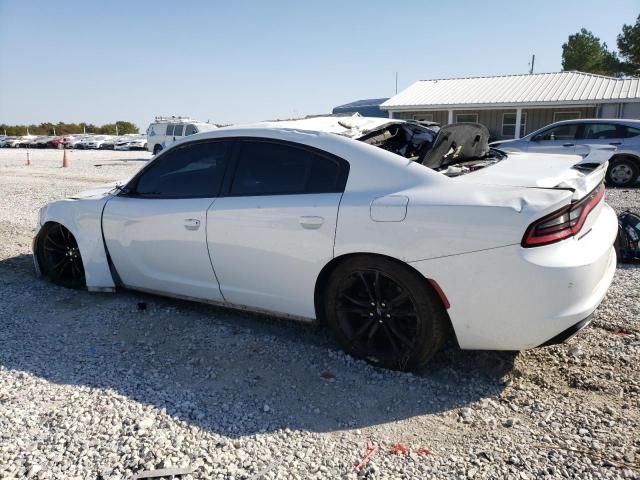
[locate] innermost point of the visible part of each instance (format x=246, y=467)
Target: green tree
x=629, y=47
x=61, y=128
x=583, y=51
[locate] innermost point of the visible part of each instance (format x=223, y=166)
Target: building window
x=509, y=124
x=424, y=117
x=559, y=116
x=466, y=118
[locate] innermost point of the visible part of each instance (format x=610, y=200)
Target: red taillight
x=563, y=223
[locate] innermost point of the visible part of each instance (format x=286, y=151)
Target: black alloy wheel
x=385, y=314
x=59, y=256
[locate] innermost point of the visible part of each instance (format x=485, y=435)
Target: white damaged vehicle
x=365, y=234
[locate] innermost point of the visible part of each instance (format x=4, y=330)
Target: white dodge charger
x=394, y=234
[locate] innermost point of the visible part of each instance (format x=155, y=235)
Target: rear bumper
x=512, y=298
x=568, y=333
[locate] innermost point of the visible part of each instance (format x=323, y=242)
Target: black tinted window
x=178, y=130
x=190, y=130
x=188, y=171
x=169, y=129
x=275, y=169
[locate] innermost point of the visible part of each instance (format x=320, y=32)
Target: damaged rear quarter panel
x=444, y=219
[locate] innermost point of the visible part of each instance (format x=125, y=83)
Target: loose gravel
x=105, y=386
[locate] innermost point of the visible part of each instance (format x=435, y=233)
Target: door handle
x=191, y=223
x=568, y=144
x=311, y=222
x=615, y=143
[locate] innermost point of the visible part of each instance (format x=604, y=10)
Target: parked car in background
x=25, y=141
x=166, y=130
x=574, y=136
x=328, y=220
x=77, y=141
x=132, y=143
x=7, y=142
x=99, y=142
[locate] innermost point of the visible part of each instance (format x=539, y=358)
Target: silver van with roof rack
x=166, y=130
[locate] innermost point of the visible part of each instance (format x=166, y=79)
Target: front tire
x=622, y=172
x=59, y=256
x=385, y=313
x=157, y=149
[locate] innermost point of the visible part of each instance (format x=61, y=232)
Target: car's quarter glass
x=155, y=232
x=271, y=235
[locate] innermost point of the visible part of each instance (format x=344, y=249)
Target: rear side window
x=628, y=132
x=266, y=168
x=178, y=130
x=169, y=130
x=194, y=170
x=190, y=130
x=600, y=131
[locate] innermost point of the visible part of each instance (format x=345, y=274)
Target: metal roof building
x=367, y=108
x=504, y=103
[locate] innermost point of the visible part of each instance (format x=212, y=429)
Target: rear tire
x=622, y=172
x=157, y=149
x=385, y=313
x=59, y=256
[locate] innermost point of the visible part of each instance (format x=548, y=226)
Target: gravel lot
x=92, y=387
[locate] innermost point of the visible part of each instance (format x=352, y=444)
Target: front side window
x=266, y=168
x=178, y=131
x=190, y=130
x=560, y=116
x=509, y=124
x=600, y=131
x=170, y=130
x=562, y=132
x=466, y=118
x=194, y=170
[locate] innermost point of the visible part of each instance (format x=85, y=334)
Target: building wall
x=492, y=119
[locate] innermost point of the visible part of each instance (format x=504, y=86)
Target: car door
x=168, y=136
x=600, y=134
x=273, y=231
x=559, y=139
x=155, y=230
x=178, y=132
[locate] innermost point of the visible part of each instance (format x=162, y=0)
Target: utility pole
x=533, y=62
x=396, y=83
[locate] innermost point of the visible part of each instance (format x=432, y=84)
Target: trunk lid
x=530, y=170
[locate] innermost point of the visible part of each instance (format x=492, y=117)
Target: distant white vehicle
x=166, y=130
x=131, y=143
x=95, y=142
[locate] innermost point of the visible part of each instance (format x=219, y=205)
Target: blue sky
x=242, y=61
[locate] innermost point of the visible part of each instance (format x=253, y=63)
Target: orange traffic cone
x=28, y=158
x=65, y=160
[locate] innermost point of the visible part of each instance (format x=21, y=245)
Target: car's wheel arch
x=329, y=268
x=623, y=156
x=84, y=223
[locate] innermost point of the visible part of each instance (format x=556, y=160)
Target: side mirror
x=537, y=138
